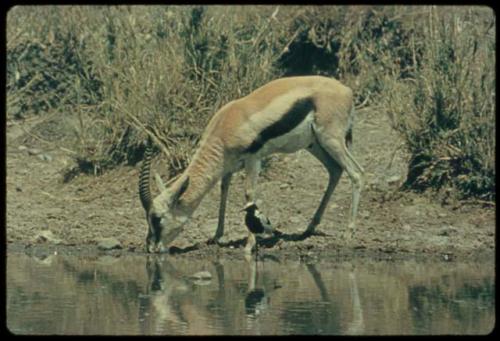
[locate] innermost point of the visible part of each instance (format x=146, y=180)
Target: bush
x=46, y=74
x=105, y=77
x=127, y=70
x=447, y=111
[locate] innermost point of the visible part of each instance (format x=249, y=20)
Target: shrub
x=448, y=115
x=105, y=77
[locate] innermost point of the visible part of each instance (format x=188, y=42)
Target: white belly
x=298, y=138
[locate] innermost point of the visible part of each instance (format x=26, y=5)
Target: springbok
x=285, y=115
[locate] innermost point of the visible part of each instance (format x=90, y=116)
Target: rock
x=202, y=275
x=447, y=257
x=22, y=148
x=44, y=157
x=34, y=151
x=109, y=244
x=406, y=227
x=393, y=179
x=46, y=236
x=447, y=230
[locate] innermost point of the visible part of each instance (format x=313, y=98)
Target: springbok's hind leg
x=334, y=171
x=336, y=148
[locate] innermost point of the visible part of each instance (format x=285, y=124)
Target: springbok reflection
x=357, y=325
x=169, y=295
x=172, y=293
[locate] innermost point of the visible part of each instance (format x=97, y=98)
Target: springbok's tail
x=348, y=134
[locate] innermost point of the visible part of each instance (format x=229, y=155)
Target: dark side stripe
x=291, y=119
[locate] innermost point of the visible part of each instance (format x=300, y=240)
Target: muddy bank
x=81, y=213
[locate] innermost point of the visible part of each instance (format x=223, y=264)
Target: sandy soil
x=392, y=224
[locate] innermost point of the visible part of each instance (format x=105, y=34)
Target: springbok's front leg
x=252, y=168
x=224, y=190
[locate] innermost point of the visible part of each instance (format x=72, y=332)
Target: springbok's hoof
x=213, y=241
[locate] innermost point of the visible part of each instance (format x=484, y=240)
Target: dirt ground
x=392, y=224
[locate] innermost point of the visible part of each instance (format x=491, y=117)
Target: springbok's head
x=165, y=220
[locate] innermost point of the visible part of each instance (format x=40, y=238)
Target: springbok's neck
x=204, y=170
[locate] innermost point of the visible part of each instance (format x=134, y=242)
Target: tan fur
x=237, y=124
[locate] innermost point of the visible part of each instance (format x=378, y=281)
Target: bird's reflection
x=256, y=301
x=257, y=298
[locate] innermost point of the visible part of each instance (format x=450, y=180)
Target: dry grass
x=108, y=75
x=445, y=109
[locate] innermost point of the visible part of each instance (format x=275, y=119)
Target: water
x=137, y=294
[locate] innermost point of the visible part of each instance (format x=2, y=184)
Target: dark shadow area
x=174, y=250
x=264, y=242
x=233, y=243
x=289, y=237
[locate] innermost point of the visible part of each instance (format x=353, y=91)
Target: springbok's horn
x=144, y=187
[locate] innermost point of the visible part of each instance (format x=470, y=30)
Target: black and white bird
x=257, y=223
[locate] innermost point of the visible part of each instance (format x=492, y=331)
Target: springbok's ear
x=159, y=183
x=182, y=188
